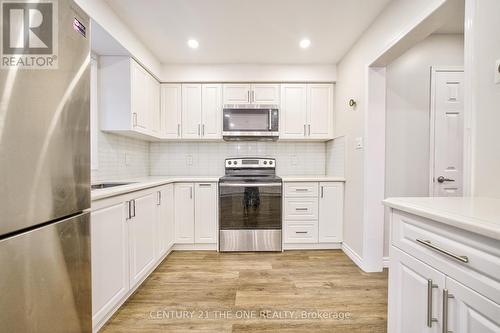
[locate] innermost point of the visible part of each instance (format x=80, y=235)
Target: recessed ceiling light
x=193, y=43
x=305, y=43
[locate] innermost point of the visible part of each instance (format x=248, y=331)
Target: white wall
x=392, y=24
x=207, y=159
x=100, y=12
x=335, y=157
x=485, y=50
x=407, y=114
x=248, y=73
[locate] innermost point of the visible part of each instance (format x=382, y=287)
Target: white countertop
x=312, y=179
x=153, y=181
x=475, y=214
x=145, y=182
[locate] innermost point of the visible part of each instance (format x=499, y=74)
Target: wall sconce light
x=352, y=103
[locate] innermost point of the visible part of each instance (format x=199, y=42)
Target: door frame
x=432, y=123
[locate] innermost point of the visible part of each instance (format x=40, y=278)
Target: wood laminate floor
x=294, y=291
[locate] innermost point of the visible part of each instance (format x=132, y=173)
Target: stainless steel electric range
x=250, y=206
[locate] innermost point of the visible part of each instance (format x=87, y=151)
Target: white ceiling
x=248, y=31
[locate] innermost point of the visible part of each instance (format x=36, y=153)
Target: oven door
x=242, y=121
x=246, y=206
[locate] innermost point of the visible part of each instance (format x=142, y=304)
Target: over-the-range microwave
x=250, y=122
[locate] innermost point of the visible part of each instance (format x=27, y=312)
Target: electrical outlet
x=497, y=72
x=189, y=160
x=359, y=142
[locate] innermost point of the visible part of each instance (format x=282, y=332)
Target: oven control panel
x=242, y=163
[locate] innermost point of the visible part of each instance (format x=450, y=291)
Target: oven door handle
x=250, y=184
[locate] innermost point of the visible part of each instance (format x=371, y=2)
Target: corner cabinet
x=129, y=98
x=306, y=111
x=441, y=278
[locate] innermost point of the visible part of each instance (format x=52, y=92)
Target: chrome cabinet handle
x=322, y=191
x=301, y=232
x=190, y=193
x=205, y=185
x=430, y=286
x=305, y=130
x=199, y=130
x=428, y=244
x=178, y=130
x=446, y=297
x=158, y=198
x=134, y=119
x=203, y=130
x=132, y=210
x=248, y=96
x=129, y=212
x=309, y=126
x=301, y=209
x=441, y=179
x=301, y=190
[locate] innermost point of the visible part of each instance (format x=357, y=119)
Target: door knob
x=441, y=179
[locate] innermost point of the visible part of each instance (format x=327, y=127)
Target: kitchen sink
x=107, y=185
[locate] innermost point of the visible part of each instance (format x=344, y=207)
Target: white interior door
x=447, y=133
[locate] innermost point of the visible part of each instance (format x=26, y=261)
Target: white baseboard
x=385, y=262
x=195, y=247
x=312, y=246
x=356, y=258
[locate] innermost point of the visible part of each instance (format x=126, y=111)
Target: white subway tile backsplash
x=120, y=158
x=169, y=158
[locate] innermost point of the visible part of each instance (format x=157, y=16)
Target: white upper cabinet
x=306, y=111
x=191, y=110
x=320, y=111
x=265, y=93
x=129, y=98
x=293, y=110
x=171, y=111
x=211, y=118
x=246, y=93
x=237, y=93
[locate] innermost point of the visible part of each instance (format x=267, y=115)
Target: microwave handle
x=270, y=120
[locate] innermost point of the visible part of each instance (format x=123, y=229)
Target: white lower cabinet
x=313, y=213
x=205, y=212
x=415, y=295
x=440, y=284
x=196, y=213
x=331, y=212
x=468, y=311
x=184, y=213
x=110, y=259
x=165, y=211
x=142, y=236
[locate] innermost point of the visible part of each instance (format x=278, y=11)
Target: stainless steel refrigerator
x=45, y=282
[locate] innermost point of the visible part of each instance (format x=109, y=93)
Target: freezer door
x=44, y=132
x=45, y=279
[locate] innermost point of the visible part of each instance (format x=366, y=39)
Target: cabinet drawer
x=471, y=259
x=301, y=208
x=301, y=189
x=301, y=232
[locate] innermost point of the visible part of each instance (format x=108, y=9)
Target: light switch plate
x=359, y=142
x=497, y=72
